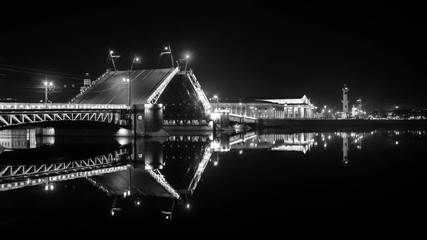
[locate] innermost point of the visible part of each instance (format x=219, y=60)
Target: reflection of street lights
x=113, y=207
x=137, y=202
x=49, y=186
x=46, y=84
x=217, y=103
x=216, y=161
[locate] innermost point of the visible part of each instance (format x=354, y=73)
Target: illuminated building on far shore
x=269, y=108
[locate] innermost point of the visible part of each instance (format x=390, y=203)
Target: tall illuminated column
x=345, y=101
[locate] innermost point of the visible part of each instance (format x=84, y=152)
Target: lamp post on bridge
x=112, y=58
x=128, y=80
x=186, y=62
x=167, y=50
x=46, y=84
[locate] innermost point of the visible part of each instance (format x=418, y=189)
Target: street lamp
x=128, y=79
x=112, y=56
x=167, y=50
x=135, y=60
x=186, y=62
x=46, y=84
x=217, y=104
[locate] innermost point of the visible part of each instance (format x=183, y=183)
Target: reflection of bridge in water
x=134, y=171
x=18, y=176
x=164, y=168
x=26, y=138
x=300, y=142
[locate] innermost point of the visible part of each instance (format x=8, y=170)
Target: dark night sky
x=238, y=50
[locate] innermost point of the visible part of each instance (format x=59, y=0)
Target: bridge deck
x=111, y=89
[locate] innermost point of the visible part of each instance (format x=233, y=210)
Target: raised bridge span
x=138, y=99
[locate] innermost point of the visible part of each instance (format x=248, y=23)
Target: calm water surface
x=318, y=182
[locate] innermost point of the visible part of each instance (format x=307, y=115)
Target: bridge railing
x=58, y=106
x=199, y=91
x=242, y=116
x=91, y=84
x=185, y=122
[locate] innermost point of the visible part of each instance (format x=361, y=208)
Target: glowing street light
x=112, y=56
x=46, y=85
x=128, y=79
x=396, y=107
x=135, y=59
x=167, y=50
x=186, y=62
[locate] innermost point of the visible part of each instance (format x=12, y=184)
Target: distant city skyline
x=237, y=50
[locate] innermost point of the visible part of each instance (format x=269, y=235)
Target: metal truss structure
x=19, y=114
x=200, y=169
x=17, y=176
x=155, y=173
x=199, y=91
x=152, y=99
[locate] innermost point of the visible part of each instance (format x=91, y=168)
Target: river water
x=353, y=181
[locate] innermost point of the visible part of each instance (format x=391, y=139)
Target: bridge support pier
x=224, y=121
x=148, y=153
x=221, y=121
x=148, y=120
